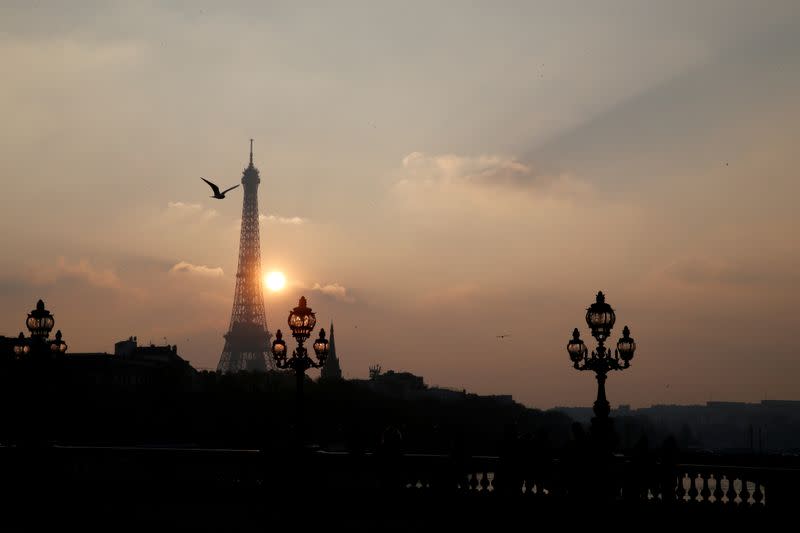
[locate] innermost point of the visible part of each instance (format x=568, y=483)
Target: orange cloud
x=187, y=208
x=83, y=269
x=334, y=290
x=281, y=220
x=187, y=268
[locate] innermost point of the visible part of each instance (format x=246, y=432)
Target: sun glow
x=275, y=281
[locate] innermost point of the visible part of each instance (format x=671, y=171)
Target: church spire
x=332, y=370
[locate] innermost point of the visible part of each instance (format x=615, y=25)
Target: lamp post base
x=603, y=436
x=602, y=429
x=602, y=470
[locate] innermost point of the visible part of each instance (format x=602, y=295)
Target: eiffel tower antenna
x=247, y=341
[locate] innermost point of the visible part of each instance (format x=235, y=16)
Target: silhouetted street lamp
x=600, y=318
x=40, y=323
x=301, y=321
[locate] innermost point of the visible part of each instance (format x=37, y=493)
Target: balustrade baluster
x=758, y=495
x=705, y=492
x=745, y=493
x=732, y=494
x=473, y=482
x=484, y=482
x=693, y=492
x=680, y=490
x=718, y=494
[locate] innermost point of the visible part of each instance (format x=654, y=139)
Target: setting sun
x=275, y=281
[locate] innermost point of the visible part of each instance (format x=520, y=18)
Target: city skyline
x=645, y=150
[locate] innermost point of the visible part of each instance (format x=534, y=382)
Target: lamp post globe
x=576, y=348
x=626, y=346
x=321, y=346
x=58, y=346
x=600, y=318
x=40, y=322
x=279, y=347
x=22, y=347
x=302, y=320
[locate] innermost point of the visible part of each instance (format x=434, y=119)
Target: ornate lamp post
x=600, y=318
x=301, y=321
x=40, y=323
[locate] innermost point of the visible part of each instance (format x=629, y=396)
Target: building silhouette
x=332, y=370
x=247, y=341
x=130, y=368
x=717, y=426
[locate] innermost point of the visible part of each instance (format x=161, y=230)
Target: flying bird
x=503, y=336
x=218, y=195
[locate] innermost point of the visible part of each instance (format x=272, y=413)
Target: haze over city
x=428, y=182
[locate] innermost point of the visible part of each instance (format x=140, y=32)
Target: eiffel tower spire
x=247, y=341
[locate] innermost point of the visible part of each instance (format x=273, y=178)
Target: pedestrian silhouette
x=390, y=451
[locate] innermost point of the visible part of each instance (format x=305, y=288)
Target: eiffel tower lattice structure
x=247, y=342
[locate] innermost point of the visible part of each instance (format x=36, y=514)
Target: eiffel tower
x=247, y=341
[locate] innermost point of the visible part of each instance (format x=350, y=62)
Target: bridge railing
x=622, y=479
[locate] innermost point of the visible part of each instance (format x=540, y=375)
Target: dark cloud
x=704, y=270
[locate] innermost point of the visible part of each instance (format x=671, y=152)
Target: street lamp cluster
x=301, y=321
x=600, y=318
x=39, y=323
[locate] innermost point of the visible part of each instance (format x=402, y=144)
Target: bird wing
x=226, y=190
x=213, y=187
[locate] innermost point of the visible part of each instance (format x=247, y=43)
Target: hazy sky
x=433, y=174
